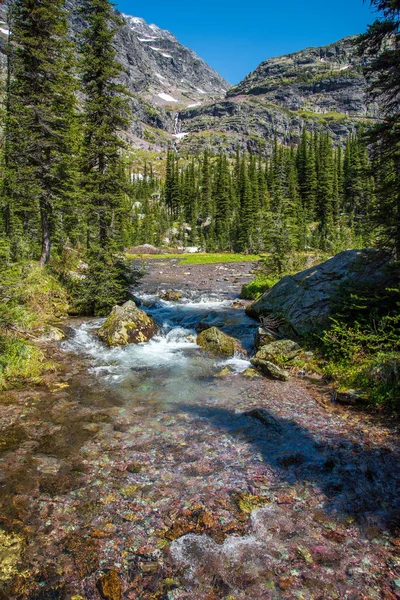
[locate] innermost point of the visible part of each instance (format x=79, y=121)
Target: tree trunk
x=46, y=239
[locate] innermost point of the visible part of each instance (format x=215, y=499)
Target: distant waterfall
x=177, y=125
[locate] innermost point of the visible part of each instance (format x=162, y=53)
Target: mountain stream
x=143, y=469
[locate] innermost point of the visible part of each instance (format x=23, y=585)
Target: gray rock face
x=174, y=92
x=320, y=80
x=321, y=88
x=304, y=300
x=263, y=337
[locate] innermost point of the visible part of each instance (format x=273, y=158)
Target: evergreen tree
x=381, y=46
x=223, y=203
x=325, y=189
x=105, y=114
x=38, y=161
x=206, y=187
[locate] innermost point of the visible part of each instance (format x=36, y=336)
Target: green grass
x=255, y=288
x=31, y=298
x=21, y=362
x=200, y=258
x=209, y=259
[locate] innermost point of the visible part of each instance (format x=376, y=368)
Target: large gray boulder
x=305, y=300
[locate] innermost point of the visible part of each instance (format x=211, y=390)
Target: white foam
x=165, y=349
x=237, y=363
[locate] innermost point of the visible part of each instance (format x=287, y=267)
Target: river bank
x=140, y=465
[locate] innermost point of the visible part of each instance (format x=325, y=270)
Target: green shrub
x=363, y=345
x=380, y=377
x=30, y=298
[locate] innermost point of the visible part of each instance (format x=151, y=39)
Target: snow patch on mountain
x=166, y=97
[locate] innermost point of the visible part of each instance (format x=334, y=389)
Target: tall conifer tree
x=106, y=112
x=38, y=145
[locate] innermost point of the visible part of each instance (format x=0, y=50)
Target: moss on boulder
x=171, y=295
x=279, y=352
x=217, y=342
x=127, y=324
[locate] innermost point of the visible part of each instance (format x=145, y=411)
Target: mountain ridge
x=319, y=87
x=176, y=98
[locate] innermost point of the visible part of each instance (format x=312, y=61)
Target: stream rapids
x=142, y=462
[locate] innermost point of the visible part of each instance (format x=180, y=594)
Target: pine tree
x=381, y=46
x=38, y=146
x=106, y=112
x=222, y=196
x=206, y=187
x=325, y=189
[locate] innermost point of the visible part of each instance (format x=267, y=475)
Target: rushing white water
x=173, y=352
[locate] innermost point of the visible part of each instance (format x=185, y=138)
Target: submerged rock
x=127, y=324
x=212, y=319
x=109, y=586
x=304, y=300
x=251, y=373
x=217, y=342
x=264, y=417
x=11, y=548
x=269, y=369
x=171, y=295
x=224, y=373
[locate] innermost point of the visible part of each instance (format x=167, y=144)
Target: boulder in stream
x=304, y=300
x=127, y=324
x=171, y=295
x=217, y=342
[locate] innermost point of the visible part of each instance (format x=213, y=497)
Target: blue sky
x=234, y=37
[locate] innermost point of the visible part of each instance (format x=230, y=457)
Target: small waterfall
x=177, y=125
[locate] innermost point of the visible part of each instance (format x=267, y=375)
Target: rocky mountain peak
x=176, y=76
